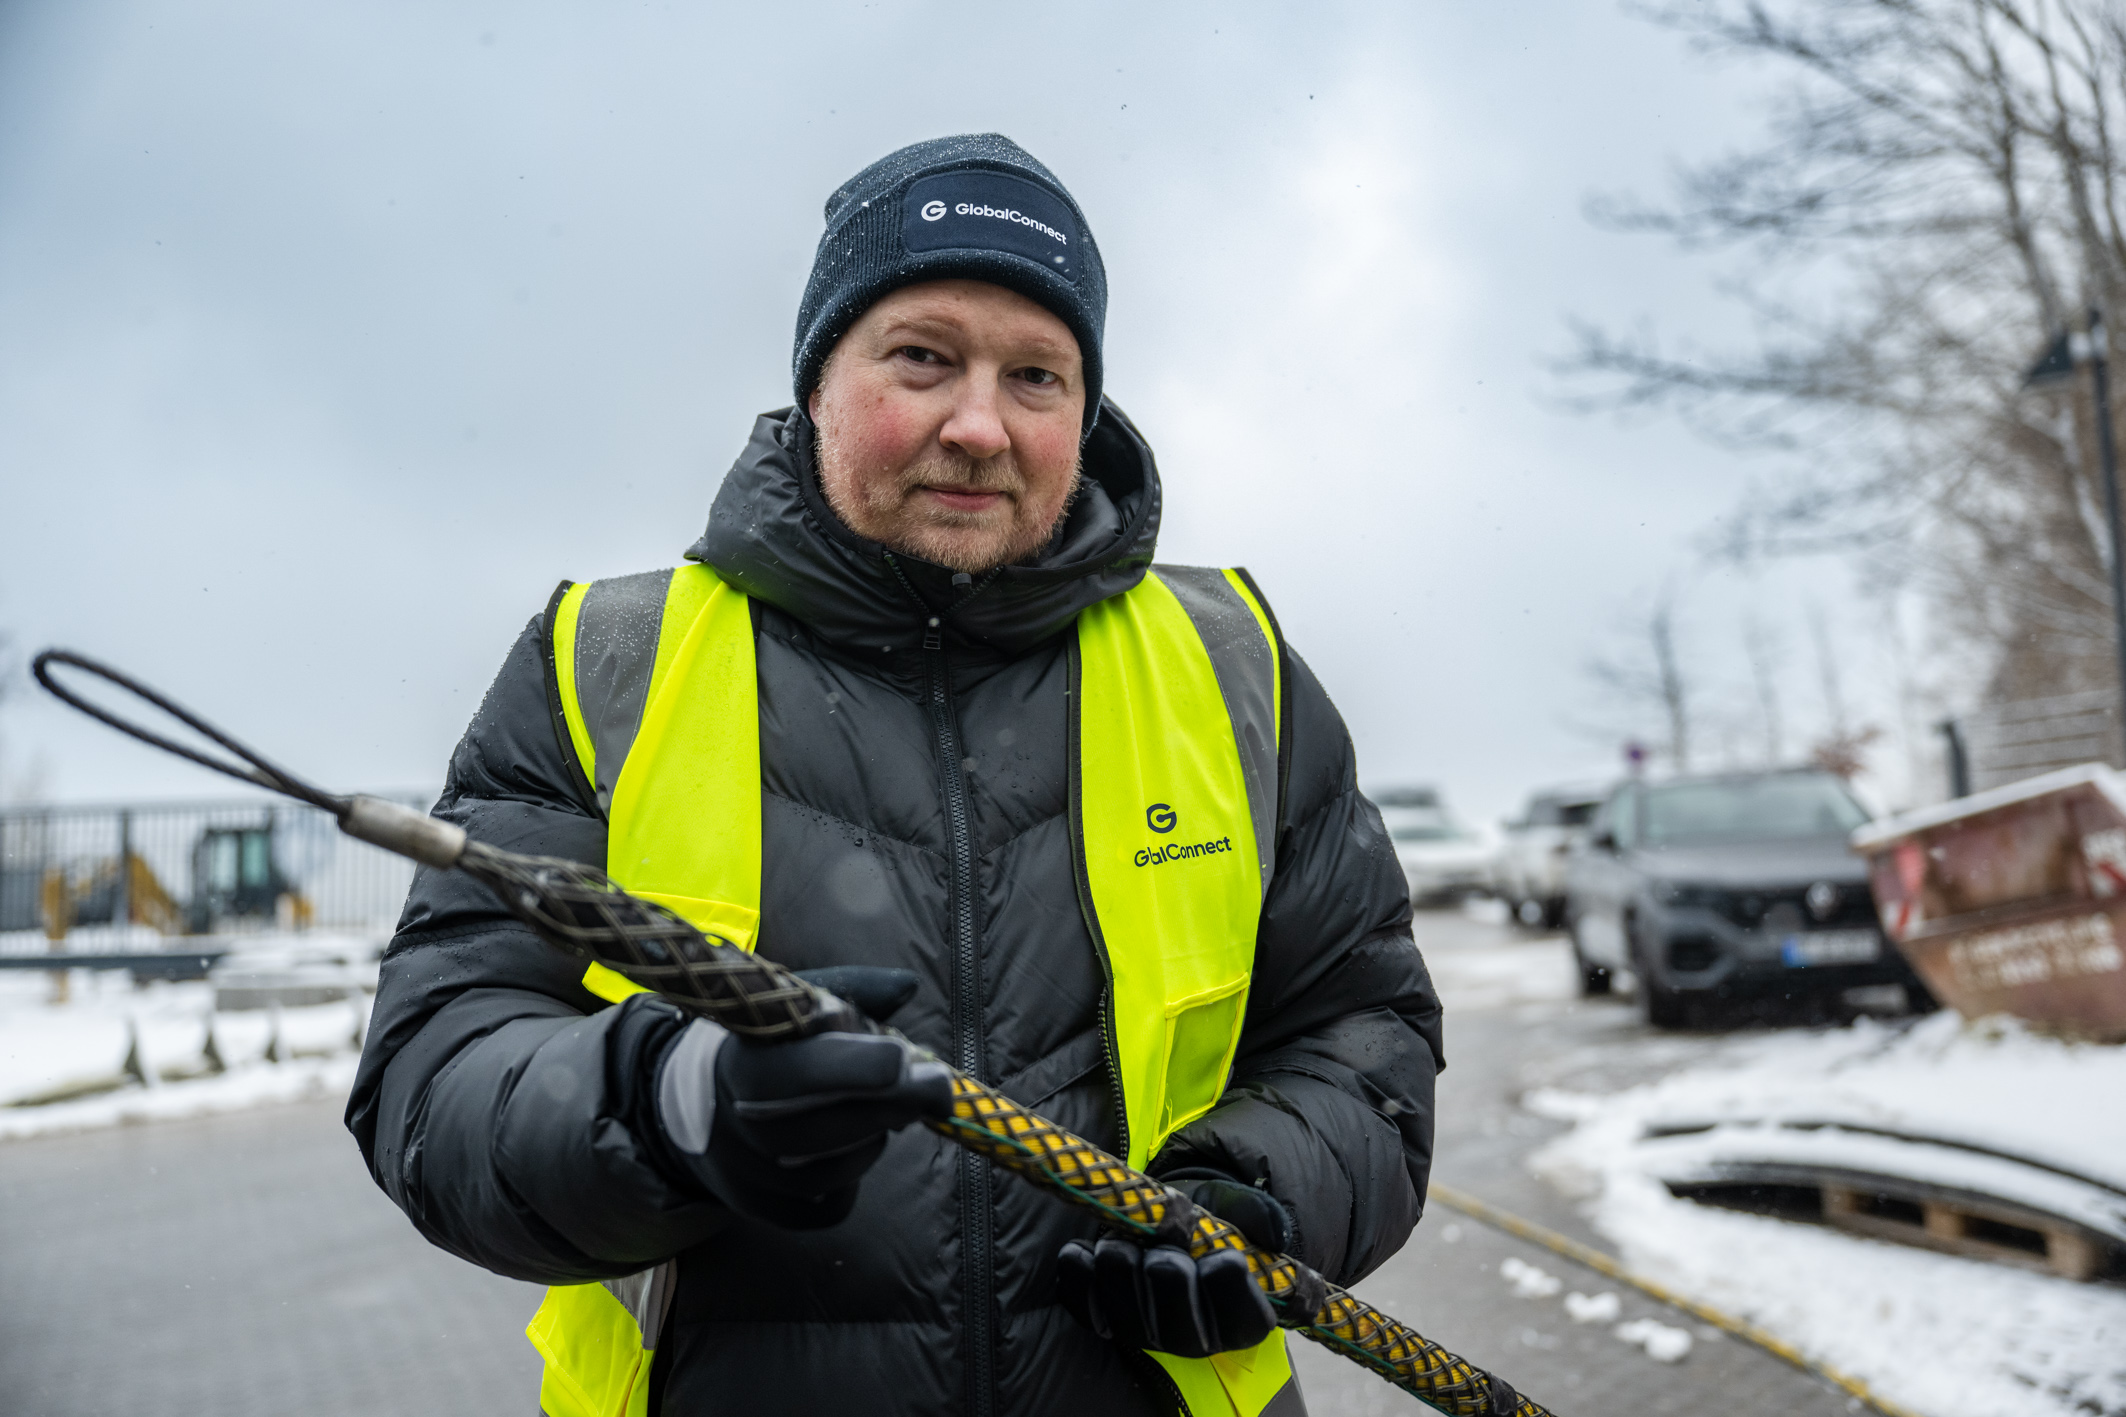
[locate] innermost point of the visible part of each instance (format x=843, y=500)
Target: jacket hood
x=772, y=534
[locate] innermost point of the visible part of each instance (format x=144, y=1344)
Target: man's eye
x=1043, y=377
x=920, y=355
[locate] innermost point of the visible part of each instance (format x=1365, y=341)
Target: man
x=919, y=717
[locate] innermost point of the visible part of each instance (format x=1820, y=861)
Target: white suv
x=1531, y=865
x=1442, y=859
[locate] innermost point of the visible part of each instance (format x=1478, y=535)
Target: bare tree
x=1675, y=692
x=1844, y=745
x=1767, y=656
x=1827, y=673
x=1651, y=678
x=1940, y=190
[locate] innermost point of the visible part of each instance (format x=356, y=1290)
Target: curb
x=1602, y=1264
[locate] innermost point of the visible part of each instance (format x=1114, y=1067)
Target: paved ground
x=239, y=1266
x=244, y=1265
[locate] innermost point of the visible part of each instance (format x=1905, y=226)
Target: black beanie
x=976, y=206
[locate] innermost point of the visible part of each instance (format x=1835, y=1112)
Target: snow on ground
x=245, y=1085
x=1943, y=1335
x=1482, y=971
x=1993, y=1084
x=1662, y=1343
x=81, y=1046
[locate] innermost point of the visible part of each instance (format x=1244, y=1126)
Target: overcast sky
x=333, y=335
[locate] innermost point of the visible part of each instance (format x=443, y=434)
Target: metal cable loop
x=260, y=772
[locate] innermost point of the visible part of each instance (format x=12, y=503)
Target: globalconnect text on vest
x=1179, y=851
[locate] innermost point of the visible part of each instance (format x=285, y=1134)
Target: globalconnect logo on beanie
x=989, y=211
x=999, y=213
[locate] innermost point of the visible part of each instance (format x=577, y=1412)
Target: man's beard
x=887, y=512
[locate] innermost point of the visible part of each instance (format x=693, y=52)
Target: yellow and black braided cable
x=1030, y=1146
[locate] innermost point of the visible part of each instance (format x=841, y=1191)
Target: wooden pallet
x=2003, y=1233
x=1911, y=1212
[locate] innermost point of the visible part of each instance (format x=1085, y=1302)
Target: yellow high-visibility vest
x=1175, y=718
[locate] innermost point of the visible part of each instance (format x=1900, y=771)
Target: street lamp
x=2056, y=366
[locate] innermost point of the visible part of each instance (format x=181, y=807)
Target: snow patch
x=1662, y=1343
x=1501, y=975
x=115, y=1053
x=252, y=1086
x=1528, y=1281
x=1937, y=1333
x=1701, y=1157
x=1561, y=1106
x=1603, y=1308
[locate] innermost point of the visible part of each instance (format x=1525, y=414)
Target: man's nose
x=976, y=425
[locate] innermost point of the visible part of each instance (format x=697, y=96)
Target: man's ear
x=819, y=383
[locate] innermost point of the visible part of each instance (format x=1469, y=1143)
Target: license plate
x=1830, y=947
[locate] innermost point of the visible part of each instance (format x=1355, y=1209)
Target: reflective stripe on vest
x=1175, y=713
x=657, y=669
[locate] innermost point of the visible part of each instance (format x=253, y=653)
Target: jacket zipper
x=978, y=1267
x=1109, y=1051
x=1114, y=1062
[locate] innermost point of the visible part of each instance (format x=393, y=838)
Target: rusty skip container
x=2013, y=900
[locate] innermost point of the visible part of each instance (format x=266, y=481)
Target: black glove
x=782, y=1132
x=1162, y=1299
x=1251, y=1210
x=1262, y=1218
x=876, y=991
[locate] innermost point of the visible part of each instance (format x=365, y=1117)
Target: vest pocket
x=1202, y=1032
x=722, y=919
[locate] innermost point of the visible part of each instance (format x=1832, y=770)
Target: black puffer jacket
x=506, y=1111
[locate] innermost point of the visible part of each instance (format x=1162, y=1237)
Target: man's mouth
x=961, y=499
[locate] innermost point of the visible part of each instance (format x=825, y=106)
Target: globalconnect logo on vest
x=1163, y=819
